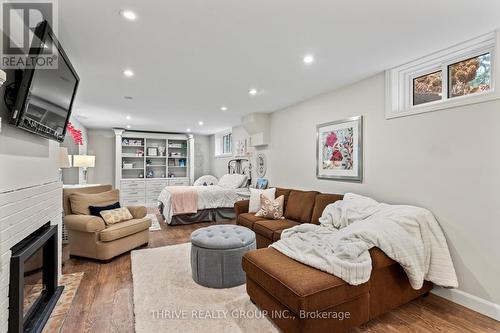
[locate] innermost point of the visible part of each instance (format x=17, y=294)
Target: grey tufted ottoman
x=216, y=253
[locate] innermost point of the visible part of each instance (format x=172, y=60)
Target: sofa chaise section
x=315, y=301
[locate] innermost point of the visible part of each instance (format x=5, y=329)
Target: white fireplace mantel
x=22, y=212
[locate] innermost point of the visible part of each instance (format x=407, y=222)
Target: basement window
x=460, y=75
x=224, y=144
x=227, y=143
x=428, y=88
x=470, y=76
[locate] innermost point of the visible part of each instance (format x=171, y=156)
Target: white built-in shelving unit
x=147, y=162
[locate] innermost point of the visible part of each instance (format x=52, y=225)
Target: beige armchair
x=89, y=236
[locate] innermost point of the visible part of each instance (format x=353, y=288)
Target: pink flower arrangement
x=331, y=139
x=76, y=134
x=337, y=156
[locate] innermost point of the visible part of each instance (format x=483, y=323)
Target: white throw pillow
x=206, y=180
x=254, y=205
x=234, y=180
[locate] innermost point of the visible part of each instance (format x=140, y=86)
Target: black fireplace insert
x=33, y=289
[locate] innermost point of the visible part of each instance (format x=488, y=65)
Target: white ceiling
x=190, y=57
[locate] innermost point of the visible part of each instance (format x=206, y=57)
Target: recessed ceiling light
x=252, y=91
x=200, y=123
x=128, y=117
x=188, y=130
x=308, y=59
x=128, y=126
x=223, y=108
x=128, y=14
x=128, y=73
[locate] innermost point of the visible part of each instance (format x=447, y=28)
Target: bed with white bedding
x=210, y=199
x=213, y=202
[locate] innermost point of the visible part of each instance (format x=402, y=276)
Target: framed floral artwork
x=339, y=150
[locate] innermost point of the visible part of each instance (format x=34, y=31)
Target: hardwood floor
x=104, y=301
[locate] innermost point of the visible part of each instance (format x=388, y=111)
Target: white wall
x=201, y=156
x=101, y=144
x=25, y=159
x=446, y=161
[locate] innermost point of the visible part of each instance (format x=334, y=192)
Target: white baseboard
x=472, y=302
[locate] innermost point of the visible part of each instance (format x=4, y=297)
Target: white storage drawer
x=153, y=193
x=156, y=190
x=132, y=201
x=156, y=186
x=157, y=183
x=132, y=184
x=132, y=192
x=152, y=201
x=178, y=182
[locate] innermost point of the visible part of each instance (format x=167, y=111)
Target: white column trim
x=191, y=158
x=118, y=153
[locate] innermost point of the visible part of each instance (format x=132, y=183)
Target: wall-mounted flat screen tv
x=45, y=92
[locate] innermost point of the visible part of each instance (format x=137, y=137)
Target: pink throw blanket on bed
x=184, y=199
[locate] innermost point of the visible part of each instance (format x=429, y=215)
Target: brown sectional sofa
x=299, y=298
x=300, y=207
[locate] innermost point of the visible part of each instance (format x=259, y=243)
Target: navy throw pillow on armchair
x=96, y=210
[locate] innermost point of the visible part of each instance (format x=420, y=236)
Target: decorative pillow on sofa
x=96, y=210
x=254, y=205
x=80, y=202
x=271, y=209
x=116, y=215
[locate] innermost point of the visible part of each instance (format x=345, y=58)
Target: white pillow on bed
x=254, y=205
x=234, y=180
x=206, y=180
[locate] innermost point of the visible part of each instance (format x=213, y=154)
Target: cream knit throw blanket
x=409, y=235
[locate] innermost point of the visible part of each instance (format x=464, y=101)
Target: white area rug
x=155, y=225
x=166, y=299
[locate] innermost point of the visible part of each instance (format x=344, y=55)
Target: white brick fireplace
x=22, y=211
